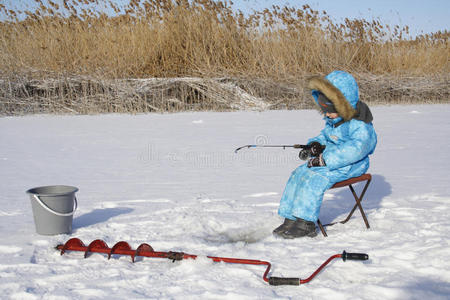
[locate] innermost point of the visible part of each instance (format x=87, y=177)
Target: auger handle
x=284, y=281
x=354, y=256
x=298, y=281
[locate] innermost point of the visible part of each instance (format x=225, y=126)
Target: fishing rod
x=295, y=146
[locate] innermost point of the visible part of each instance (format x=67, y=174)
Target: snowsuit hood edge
x=363, y=113
x=342, y=105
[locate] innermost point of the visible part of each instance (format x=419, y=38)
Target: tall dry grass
x=203, y=37
x=206, y=38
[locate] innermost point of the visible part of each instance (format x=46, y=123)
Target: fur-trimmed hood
x=341, y=88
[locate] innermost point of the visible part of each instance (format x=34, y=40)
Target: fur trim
x=343, y=107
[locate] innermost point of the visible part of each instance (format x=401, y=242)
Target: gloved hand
x=316, y=148
x=316, y=162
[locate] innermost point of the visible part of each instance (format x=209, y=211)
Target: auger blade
x=118, y=248
x=97, y=246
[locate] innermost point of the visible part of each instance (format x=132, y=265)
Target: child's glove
x=314, y=149
x=316, y=162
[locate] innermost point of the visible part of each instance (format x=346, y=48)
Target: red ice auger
x=123, y=248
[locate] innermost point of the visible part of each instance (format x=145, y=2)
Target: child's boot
x=300, y=228
x=284, y=227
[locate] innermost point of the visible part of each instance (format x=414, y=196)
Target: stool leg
x=321, y=228
x=358, y=204
x=350, y=214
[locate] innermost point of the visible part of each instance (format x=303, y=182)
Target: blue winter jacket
x=348, y=142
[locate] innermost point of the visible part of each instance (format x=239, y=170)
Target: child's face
x=332, y=115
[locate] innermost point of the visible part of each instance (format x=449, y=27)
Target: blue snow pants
x=303, y=194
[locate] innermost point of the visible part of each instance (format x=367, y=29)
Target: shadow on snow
x=99, y=216
x=343, y=200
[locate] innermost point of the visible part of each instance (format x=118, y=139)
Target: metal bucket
x=53, y=208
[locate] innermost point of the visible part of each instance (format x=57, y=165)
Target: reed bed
x=75, y=57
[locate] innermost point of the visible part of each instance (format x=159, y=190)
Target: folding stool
x=349, y=182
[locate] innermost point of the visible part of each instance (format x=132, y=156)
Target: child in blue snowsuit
x=339, y=152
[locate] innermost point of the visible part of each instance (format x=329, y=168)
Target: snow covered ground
x=174, y=181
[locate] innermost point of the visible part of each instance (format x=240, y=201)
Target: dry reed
x=202, y=39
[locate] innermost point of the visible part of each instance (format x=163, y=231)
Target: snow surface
x=174, y=181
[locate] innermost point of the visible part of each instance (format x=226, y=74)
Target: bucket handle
x=75, y=205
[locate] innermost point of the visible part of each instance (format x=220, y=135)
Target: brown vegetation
x=76, y=58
